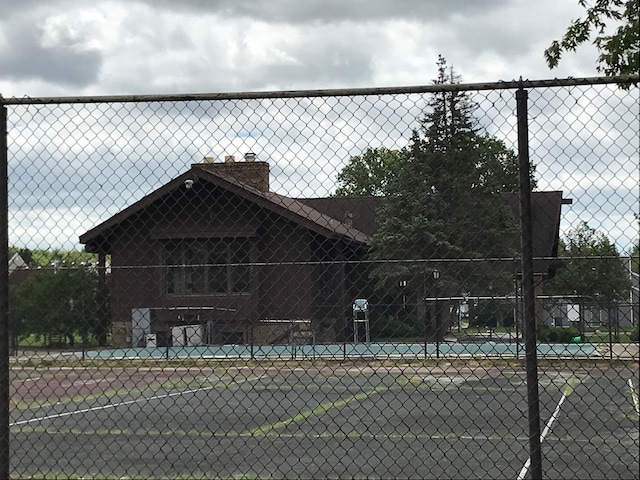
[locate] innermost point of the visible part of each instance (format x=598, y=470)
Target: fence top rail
x=339, y=92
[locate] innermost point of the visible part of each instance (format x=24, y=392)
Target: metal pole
x=375, y=91
x=84, y=338
x=427, y=318
x=4, y=297
x=631, y=307
x=367, y=329
x=437, y=312
x=517, y=314
x=355, y=327
x=166, y=350
x=610, y=333
x=253, y=357
x=103, y=319
x=533, y=399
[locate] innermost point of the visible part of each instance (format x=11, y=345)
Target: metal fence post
x=516, y=306
x=528, y=293
x=4, y=297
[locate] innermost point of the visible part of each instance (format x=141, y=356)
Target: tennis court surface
x=320, y=420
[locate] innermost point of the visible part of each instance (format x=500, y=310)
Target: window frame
x=189, y=266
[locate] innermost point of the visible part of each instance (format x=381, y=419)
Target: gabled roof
x=16, y=262
x=360, y=211
x=97, y=239
x=545, y=220
x=349, y=218
x=545, y=206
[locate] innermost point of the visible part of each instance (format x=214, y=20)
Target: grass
x=231, y=364
x=32, y=341
x=38, y=342
x=603, y=337
x=592, y=334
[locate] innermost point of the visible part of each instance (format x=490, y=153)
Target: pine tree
x=447, y=203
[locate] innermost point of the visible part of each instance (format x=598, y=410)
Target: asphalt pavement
x=330, y=422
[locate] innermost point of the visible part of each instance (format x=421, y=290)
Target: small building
x=215, y=257
x=581, y=312
x=214, y=247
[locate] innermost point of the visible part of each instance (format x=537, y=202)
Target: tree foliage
x=445, y=201
x=593, y=268
x=447, y=130
x=619, y=51
x=45, y=257
x=370, y=173
x=443, y=206
x=60, y=303
x=635, y=257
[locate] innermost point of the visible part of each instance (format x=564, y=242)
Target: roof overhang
x=97, y=239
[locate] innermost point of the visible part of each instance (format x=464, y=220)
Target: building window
x=207, y=266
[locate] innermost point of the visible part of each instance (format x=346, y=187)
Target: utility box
x=187, y=335
x=151, y=340
x=140, y=326
x=573, y=314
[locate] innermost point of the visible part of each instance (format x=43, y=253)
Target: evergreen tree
x=444, y=215
x=446, y=201
x=443, y=204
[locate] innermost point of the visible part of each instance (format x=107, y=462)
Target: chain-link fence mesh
x=326, y=284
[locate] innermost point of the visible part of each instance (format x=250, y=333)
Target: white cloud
x=583, y=141
x=233, y=46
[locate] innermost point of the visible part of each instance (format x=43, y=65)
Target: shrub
x=634, y=335
x=559, y=334
x=396, y=327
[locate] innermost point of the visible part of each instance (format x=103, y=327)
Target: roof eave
x=96, y=239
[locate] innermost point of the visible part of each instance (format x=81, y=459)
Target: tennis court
x=345, y=351
x=294, y=420
x=277, y=279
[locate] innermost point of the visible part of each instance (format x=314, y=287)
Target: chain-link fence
x=427, y=282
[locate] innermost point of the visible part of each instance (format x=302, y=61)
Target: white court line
x=634, y=395
x=31, y=379
x=547, y=429
x=120, y=404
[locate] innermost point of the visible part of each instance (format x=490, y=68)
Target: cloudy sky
x=71, y=47
x=62, y=184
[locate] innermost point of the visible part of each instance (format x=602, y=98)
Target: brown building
x=215, y=257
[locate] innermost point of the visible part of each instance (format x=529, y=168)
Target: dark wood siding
x=283, y=277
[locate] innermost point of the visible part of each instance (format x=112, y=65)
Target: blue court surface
x=347, y=350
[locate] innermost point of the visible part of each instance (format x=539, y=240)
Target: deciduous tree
x=60, y=303
x=593, y=268
x=370, y=173
x=619, y=46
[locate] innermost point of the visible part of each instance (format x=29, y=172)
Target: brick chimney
x=251, y=172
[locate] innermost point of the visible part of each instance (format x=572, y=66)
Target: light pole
x=436, y=277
